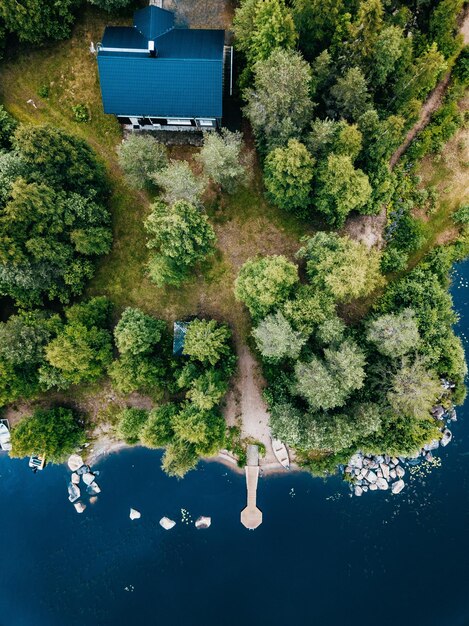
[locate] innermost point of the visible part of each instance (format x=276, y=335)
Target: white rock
x=398, y=486
x=385, y=470
x=373, y=487
x=400, y=471
x=394, y=461
x=203, y=522
x=79, y=507
x=74, y=462
x=134, y=514
x=379, y=473
x=167, y=523
x=88, y=478
x=371, y=477
x=94, y=488
x=73, y=492
x=365, y=488
x=356, y=460
x=393, y=474
x=382, y=483
x=433, y=445
x=75, y=478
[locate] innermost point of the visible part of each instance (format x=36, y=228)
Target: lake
x=320, y=557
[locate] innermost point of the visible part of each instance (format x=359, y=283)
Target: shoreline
x=105, y=446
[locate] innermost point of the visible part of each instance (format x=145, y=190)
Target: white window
x=179, y=122
x=206, y=122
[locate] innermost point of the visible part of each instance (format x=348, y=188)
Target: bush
x=81, y=113
x=8, y=126
x=130, y=424
x=54, y=433
x=207, y=341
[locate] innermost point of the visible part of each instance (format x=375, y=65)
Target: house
x=154, y=75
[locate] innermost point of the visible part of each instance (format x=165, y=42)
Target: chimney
x=152, y=49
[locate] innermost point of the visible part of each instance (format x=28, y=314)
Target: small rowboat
x=281, y=453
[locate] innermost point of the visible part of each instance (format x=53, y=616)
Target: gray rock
x=400, y=471
x=447, y=436
x=75, y=478
x=398, y=486
x=433, y=445
x=358, y=491
x=203, y=522
x=167, y=523
x=374, y=487
x=379, y=473
x=365, y=488
x=394, y=461
x=392, y=473
x=429, y=457
x=371, y=477
x=73, y=492
x=88, y=478
x=382, y=483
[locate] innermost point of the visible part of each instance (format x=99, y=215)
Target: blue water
x=319, y=558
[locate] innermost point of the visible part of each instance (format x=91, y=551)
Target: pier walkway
x=251, y=516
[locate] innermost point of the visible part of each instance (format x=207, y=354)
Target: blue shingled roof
x=184, y=79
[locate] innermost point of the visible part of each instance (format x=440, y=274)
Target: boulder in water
x=75, y=478
x=134, y=514
x=88, y=478
x=75, y=462
x=382, y=483
x=400, y=471
x=79, y=507
x=371, y=477
x=358, y=491
x=398, y=486
x=73, y=492
x=93, y=489
x=167, y=523
x=203, y=522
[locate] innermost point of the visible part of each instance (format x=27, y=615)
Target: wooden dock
x=251, y=516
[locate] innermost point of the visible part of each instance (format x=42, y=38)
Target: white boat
x=281, y=453
x=5, y=435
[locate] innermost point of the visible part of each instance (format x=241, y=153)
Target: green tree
x=131, y=422
x=178, y=182
x=340, y=189
x=179, y=236
x=288, y=176
x=223, y=161
x=316, y=22
x=279, y=109
x=110, y=5
x=388, y=49
x=8, y=126
x=276, y=339
x=54, y=433
x=157, y=430
x=39, y=255
x=35, y=21
x=12, y=167
x=342, y=430
x=421, y=76
x=207, y=390
x=414, y=390
x=327, y=383
x=137, y=333
x=263, y=284
x=328, y=262
x=309, y=308
x=262, y=26
x=179, y=458
x=141, y=372
x=349, y=96
x=444, y=26
x=287, y=424
x=331, y=331
x=82, y=350
x=394, y=334
x=62, y=161
x=207, y=341
x=140, y=157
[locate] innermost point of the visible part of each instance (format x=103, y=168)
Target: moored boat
x=281, y=453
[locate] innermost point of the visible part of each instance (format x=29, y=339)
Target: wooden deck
x=251, y=516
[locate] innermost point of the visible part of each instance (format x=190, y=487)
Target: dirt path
x=432, y=103
x=369, y=229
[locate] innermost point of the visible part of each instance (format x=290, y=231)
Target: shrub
x=140, y=156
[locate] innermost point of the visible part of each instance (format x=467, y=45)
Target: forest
x=356, y=341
